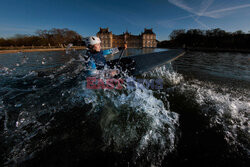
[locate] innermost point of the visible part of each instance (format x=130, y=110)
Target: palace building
x=146, y=39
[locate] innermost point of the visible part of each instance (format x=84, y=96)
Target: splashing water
x=51, y=115
x=167, y=73
x=130, y=120
x=230, y=113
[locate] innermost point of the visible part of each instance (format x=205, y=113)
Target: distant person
x=96, y=58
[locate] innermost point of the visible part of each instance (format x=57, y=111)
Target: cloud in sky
x=7, y=30
x=219, y=11
x=197, y=9
x=201, y=9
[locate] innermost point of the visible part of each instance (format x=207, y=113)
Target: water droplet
x=18, y=105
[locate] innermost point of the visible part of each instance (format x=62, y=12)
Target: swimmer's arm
x=92, y=68
x=112, y=51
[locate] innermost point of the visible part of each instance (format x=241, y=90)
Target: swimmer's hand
x=113, y=73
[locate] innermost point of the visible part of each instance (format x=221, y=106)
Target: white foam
x=166, y=73
x=138, y=116
x=222, y=109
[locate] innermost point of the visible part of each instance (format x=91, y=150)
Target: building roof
x=148, y=31
x=104, y=30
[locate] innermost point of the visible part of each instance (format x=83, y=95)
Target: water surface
x=200, y=118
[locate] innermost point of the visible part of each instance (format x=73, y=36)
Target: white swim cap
x=92, y=40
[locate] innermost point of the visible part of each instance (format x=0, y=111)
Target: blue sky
x=86, y=16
